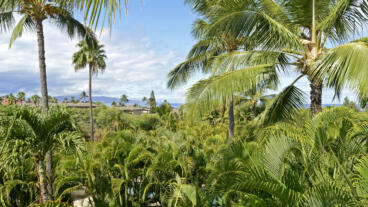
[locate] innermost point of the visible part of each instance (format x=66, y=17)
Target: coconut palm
x=11, y=99
x=298, y=31
x=21, y=97
x=254, y=96
x=92, y=9
x=90, y=53
x=33, y=14
x=123, y=100
x=83, y=96
x=206, y=56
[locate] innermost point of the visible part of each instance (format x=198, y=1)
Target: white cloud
x=134, y=67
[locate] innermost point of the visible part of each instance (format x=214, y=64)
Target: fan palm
x=298, y=30
x=90, y=53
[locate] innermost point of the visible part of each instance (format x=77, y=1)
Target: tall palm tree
x=204, y=57
x=297, y=32
x=11, y=99
x=33, y=14
x=92, y=9
x=83, y=96
x=123, y=99
x=21, y=96
x=90, y=53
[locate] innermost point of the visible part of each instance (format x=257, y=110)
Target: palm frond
x=344, y=66
x=98, y=12
x=182, y=72
x=275, y=151
x=284, y=105
x=25, y=23
x=6, y=21
x=207, y=94
x=344, y=18
x=65, y=21
x=263, y=30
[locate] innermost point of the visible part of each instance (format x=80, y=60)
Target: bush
x=148, y=122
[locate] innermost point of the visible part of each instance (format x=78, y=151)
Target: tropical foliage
x=280, y=153
x=304, y=161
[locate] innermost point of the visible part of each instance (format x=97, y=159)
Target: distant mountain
x=108, y=100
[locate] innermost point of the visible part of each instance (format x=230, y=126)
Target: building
x=74, y=105
x=5, y=101
x=137, y=110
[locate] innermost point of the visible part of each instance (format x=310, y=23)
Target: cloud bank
x=135, y=66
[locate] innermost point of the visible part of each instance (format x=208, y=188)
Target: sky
x=141, y=49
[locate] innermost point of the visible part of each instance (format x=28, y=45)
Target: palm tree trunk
x=254, y=110
x=231, y=119
x=223, y=110
x=42, y=63
x=316, y=97
x=90, y=103
x=41, y=177
x=45, y=101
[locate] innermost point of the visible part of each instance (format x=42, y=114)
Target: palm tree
x=91, y=9
x=296, y=32
x=35, y=99
x=255, y=96
x=269, y=174
x=21, y=97
x=90, y=53
x=204, y=57
x=123, y=99
x=33, y=13
x=38, y=130
x=83, y=96
x=11, y=99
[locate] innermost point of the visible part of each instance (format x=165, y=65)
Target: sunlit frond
x=344, y=66
x=284, y=105
x=207, y=94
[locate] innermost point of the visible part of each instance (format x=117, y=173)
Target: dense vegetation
x=169, y=160
x=234, y=143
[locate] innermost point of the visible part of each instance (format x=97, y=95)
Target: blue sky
x=141, y=48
